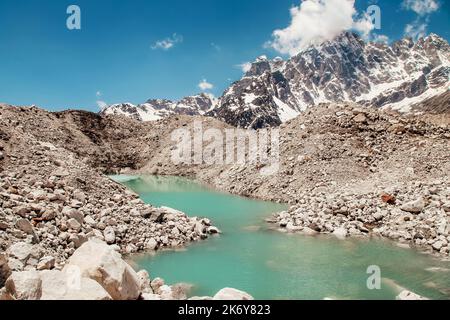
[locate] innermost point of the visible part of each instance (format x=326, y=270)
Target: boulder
x=204, y=298
x=3, y=226
x=74, y=224
x=150, y=297
x=408, y=295
x=232, y=294
x=166, y=292
x=48, y=215
x=4, y=295
x=79, y=195
x=181, y=291
x=58, y=285
x=144, y=281
x=21, y=251
x=110, y=235
x=290, y=227
x=213, y=230
x=25, y=285
x=151, y=244
x=25, y=226
x=415, y=207
x=156, y=284
x=90, y=221
x=438, y=245
x=75, y=214
x=100, y=262
x=46, y=263
x=340, y=233
x=360, y=118
x=309, y=232
x=5, y=271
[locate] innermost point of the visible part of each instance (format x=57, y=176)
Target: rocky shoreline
x=95, y=271
x=420, y=223
x=350, y=171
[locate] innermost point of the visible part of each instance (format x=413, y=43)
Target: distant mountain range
x=347, y=69
x=156, y=109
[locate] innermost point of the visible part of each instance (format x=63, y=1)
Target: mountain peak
x=345, y=69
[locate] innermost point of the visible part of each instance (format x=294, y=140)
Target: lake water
x=273, y=265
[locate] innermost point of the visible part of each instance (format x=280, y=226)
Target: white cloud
x=416, y=30
x=245, y=67
x=98, y=94
x=205, y=85
x=380, y=38
x=421, y=7
x=316, y=21
x=167, y=43
x=365, y=26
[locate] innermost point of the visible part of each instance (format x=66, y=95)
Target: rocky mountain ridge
x=156, y=109
x=346, y=69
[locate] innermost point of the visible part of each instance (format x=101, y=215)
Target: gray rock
x=26, y=285
x=5, y=271
x=151, y=244
x=446, y=207
x=75, y=214
x=74, y=224
x=438, y=245
x=21, y=251
x=3, y=226
x=144, y=281
x=110, y=235
x=415, y=207
x=58, y=285
x=213, y=230
x=46, y=263
x=156, y=284
x=25, y=226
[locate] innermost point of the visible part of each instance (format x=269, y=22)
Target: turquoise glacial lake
x=250, y=256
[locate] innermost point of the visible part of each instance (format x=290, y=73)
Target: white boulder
x=100, y=262
x=415, y=207
x=408, y=295
x=232, y=294
x=25, y=285
x=340, y=233
x=110, y=235
x=58, y=285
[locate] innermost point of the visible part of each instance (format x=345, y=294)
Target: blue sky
x=115, y=57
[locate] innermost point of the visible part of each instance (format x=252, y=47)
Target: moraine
x=270, y=265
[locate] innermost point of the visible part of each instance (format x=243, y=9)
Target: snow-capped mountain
x=346, y=69
x=156, y=109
